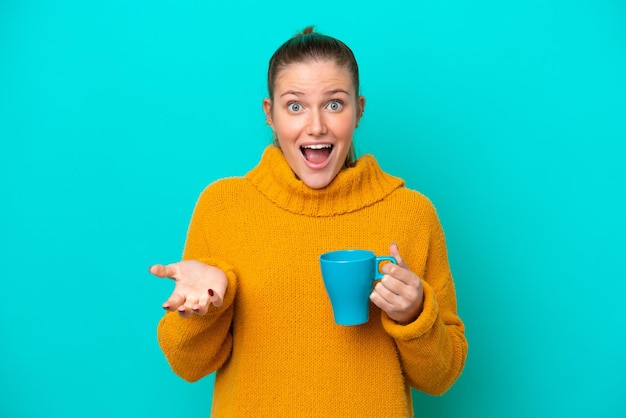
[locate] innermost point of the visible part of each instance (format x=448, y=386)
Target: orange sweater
x=274, y=344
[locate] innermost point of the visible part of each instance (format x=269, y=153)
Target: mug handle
x=380, y=275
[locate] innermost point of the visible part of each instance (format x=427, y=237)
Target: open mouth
x=316, y=153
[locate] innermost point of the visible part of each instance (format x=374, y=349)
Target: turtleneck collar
x=352, y=189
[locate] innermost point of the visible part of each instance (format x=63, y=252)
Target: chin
x=317, y=182
x=321, y=177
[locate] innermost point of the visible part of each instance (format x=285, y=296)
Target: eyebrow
x=328, y=93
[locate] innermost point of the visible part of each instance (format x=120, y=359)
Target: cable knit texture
x=274, y=344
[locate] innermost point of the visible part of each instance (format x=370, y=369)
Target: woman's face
x=313, y=114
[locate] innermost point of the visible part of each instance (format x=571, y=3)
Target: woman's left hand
x=399, y=293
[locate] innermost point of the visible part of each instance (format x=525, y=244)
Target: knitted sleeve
x=433, y=348
x=199, y=345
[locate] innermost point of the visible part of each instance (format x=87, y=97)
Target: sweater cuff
x=422, y=325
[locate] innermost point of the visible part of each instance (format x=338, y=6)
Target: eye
x=294, y=107
x=334, y=105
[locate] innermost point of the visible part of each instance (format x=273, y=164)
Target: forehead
x=312, y=75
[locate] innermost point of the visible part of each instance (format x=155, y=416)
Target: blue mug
x=349, y=277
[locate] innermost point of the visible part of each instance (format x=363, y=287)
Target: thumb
x=168, y=271
x=395, y=253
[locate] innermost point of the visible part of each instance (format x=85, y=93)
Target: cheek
x=344, y=128
x=286, y=128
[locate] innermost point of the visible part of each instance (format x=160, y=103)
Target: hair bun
x=308, y=30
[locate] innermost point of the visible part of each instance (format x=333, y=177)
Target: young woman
x=249, y=301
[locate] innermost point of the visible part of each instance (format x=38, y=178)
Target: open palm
x=198, y=285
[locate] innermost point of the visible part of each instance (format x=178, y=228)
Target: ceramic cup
x=349, y=277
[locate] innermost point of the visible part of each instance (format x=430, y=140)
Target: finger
x=216, y=297
x=191, y=302
x=400, y=273
x=397, y=307
x=200, y=310
x=384, y=293
x=395, y=253
x=211, y=298
x=168, y=271
x=202, y=307
x=392, y=285
x=184, y=312
x=174, y=302
x=380, y=297
x=398, y=293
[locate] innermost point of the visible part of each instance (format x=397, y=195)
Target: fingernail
x=211, y=293
x=165, y=306
x=394, y=243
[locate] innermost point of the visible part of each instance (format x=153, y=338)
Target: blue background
x=510, y=116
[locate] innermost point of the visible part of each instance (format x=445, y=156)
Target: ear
x=360, y=108
x=267, y=108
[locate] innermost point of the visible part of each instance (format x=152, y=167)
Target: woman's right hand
x=198, y=285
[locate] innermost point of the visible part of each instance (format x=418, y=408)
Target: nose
x=316, y=125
